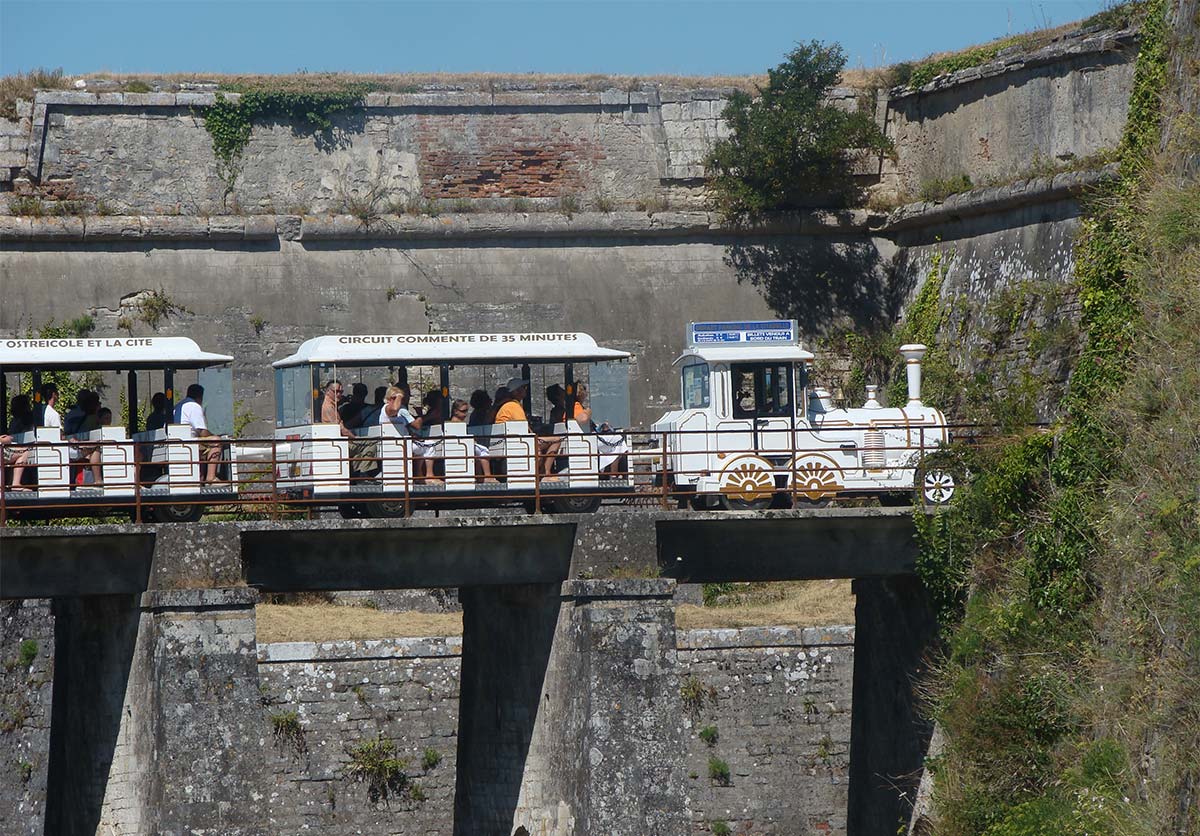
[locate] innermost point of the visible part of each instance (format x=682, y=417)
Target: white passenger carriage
x=156, y=473
x=373, y=472
x=753, y=431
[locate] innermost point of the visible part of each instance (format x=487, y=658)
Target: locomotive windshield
x=762, y=390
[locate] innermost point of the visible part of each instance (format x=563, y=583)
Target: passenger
x=160, y=412
x=104, y=416
x=88, y=419
x=482, y=414
x=50, y=416
x=329, y=406
x=353, y=411
x=433, y=408
x=371, y=411
x=583, y=412
x=75, y=416
x=557, y=395
x=190, y=411
x=513, y=410
x=22, y=422
x=395, y=411
x=458, y=415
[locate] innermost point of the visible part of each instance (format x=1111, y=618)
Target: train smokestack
x=912, y=354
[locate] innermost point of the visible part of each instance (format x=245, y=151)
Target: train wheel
x=351, y=511
x=573, y=504
x=936, y=484
x=384, y=510
x=741, y=503
x=174, y=513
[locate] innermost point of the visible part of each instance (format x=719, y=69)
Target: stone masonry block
x=198, y=99
x=112, y=98
x=150, y=99
x=14, y=228
x=113, y=228
x=614, y=97
x=65, y=97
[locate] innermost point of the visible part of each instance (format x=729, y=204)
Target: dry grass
x=796, y=604
x=23, y=85
x=800, y=604
x=415, y=82
x=331, y=622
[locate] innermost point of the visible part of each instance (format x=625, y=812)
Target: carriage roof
x=433, y=349
x=747, y=354
x=105, y=354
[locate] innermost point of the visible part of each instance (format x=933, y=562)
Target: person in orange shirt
x=513, y=410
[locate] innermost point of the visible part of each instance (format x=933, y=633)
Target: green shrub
x=374, y=763
x=789, y=146
x=709, y=735
x=28, y=651
x=932, y=191
x=720, y=827
x=288, y=732
x=430, y=758
x=718, y=771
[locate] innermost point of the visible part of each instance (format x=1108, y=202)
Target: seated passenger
x=160, y=412
x=371, y=411
x=190, y=411
x=50, y=416
x=512, y=410
x=482, y=414
x=329, y=406
x=76, y=415
x=22, y=422
x=557, y=395
x=353, y=411
x=483, y=464
x=395, y=411
x=104, y=417
x=84, y=418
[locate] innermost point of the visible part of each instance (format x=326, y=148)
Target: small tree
x=789, y=145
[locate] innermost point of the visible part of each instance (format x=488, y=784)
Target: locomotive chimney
x=912, y=354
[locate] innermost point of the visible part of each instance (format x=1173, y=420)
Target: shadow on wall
x=825, y=285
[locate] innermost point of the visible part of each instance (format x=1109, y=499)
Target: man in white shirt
x=190, y=411
x=50, y=416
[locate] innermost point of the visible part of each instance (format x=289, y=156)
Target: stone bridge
x=570, y=703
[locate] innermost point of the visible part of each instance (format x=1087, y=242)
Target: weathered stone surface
x=1066, y=101
x=773, y=703
x=26, y=690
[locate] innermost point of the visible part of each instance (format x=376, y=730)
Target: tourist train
x=752, y=430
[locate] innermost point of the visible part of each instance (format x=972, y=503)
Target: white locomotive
x=752, y=431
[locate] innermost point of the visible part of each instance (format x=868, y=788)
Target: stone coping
x=475, y=226
x=998, y=198
x=433, y=647
x=359, y=649
x=731, y=637
x=1084, y=42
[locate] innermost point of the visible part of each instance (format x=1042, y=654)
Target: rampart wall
x=779, y=699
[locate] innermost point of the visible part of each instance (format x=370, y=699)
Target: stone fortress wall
x=266, y=265
x=778, y=699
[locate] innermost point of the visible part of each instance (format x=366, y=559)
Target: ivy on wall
x=230, y=122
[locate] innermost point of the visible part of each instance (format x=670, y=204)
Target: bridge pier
x=894, y=629
x=570, y=714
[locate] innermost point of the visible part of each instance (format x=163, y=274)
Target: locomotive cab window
x=762, y=390
x=695, y=386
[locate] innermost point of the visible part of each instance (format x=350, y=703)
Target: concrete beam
x=408, y=557
x=65, y=564
x=790, y=545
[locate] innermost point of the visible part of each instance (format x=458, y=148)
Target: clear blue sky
x=694, y=37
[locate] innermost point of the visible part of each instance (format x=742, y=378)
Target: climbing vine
x=230, y=121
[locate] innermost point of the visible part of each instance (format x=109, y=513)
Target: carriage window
x=762, y=390
x=695, y=386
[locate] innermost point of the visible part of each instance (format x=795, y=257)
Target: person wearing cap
x=512, y=410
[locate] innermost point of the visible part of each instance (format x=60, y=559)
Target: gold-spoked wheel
x=816, y=480
x=747, y=484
